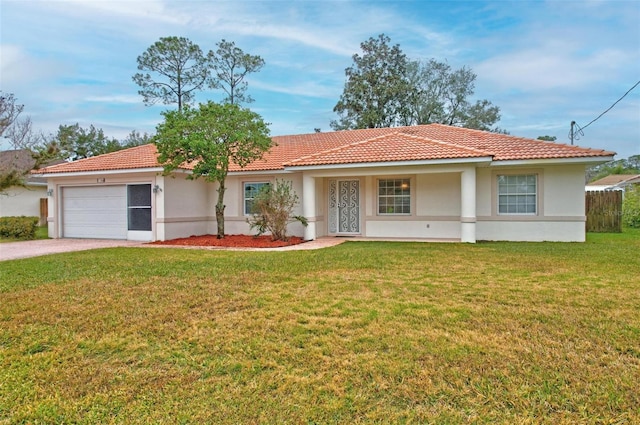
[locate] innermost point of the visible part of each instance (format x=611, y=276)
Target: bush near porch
x=361, y=333
x=20, y=228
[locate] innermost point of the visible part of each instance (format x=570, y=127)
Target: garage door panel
x=111, y=203
x=95, y=212
x=96, y=218
x=91, y=232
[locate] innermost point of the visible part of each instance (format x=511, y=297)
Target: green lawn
x=365, y=332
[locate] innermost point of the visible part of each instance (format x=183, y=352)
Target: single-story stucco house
x=429, y=182
x=22, y=200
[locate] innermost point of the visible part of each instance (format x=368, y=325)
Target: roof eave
x=258, y=172
x=589, y=160
x=485, y=160
x=102, y=172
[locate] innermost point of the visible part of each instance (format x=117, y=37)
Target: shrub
x=18, y=227
x=631, y=207
x=273, y=210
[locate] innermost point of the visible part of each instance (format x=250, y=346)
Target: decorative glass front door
x=344, y=206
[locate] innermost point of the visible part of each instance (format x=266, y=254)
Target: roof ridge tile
x=340, y=148
x=450, y=144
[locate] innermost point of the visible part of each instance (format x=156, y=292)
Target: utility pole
x=571, y=133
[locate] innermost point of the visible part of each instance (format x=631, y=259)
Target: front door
x=344, y=206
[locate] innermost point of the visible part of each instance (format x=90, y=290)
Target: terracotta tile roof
x=423, y=142
x=359, y=146
x=387, y=148
x=145, y=156
x=503, y=147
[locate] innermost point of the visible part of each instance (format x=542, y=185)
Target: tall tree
x=74, y=142
x=211, y=138
x=440, y=94
x=230, y=65
x=385, y=89
x=424, y=104
x=376, y=87
x=9, y=111
x=482, y=115
x=180, y=71
x=135, y=138
x=28, y=148
x=547, y=138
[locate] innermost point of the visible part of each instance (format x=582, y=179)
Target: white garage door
x=94, y=212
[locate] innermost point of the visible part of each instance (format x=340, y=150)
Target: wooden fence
x=604, y=211
x=44, y=211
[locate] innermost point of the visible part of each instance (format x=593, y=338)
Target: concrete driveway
x=26, y=249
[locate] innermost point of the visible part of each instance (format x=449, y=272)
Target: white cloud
x=139, y=10
x=114, y=99
x=19, y=69
x=307, y=89
x=550, y=67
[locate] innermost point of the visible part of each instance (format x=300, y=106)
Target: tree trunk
x=220, y=209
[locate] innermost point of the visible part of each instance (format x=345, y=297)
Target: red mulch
x=232, y=241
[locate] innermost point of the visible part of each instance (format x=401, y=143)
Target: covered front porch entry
x=343, y=209
x=435, y=202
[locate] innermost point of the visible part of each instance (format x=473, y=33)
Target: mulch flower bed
x=231, y=241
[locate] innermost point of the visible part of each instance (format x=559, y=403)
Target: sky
x=544, y=63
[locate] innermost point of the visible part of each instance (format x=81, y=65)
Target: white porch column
x=468, y=205
x=158, y=203
x=309, y=206
x=53, y=218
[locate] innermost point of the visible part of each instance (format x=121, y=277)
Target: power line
x=575, y=135
x=614, y=104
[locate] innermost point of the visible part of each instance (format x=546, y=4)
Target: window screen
x=139, y=207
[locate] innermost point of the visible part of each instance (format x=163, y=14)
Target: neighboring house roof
x=415, y=143
x=16, y=159
x=22, y=161
x=613, y=182
x=616, y=180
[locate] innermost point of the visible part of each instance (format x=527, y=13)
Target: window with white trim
x=394, y=196
x=518, y=194
x=251, y=189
